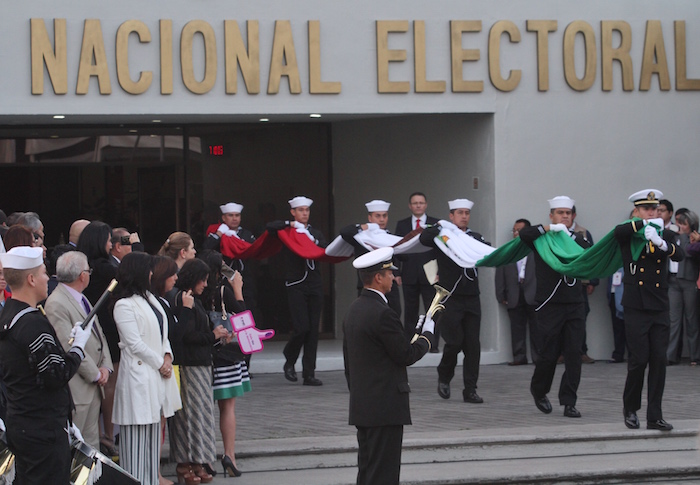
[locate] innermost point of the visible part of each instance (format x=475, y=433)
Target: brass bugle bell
x=435, y=307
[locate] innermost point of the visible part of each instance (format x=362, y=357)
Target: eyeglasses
x=88, y=271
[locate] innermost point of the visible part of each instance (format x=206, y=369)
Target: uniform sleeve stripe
x=42, y=339
x=49, y=360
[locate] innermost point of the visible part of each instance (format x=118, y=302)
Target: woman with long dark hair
x=193, y=444
x=144, y=389
x=231, y=378
x=96, y=242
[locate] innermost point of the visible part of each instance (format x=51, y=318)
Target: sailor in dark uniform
x=36, y=371
x=460, y=323
x=561, y=316
x=377, y=214
x=645, y=302
x=376, y=352
x=305, y=296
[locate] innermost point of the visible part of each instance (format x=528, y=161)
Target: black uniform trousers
x=460, y=324
x=618, y=327
x=561, y=328
x=379, y=456
x=411, y=306
x=305, y=306
x=647, y=340
x=42, y=456
x=521, y=318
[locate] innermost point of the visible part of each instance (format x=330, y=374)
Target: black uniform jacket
x=646, y=280
x=298, y=269
x=552, y=287
x=411, y=265
x=376, y=352
x=214, y=242
x=454, y=278
x=35, y=370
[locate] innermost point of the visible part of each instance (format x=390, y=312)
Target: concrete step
x=566, y=454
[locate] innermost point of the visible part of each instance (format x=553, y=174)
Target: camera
x=125, y=240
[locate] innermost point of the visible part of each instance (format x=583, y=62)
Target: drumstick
x=100, y=302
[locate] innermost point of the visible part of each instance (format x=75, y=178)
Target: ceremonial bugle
x=103, y=299
x=435, y=306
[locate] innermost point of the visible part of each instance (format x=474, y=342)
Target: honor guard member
x=561, y=315
x=645, y=303
x=36, y=371
x=460, y=323
x=376, y=353
x=305, y=295
x=377, y=215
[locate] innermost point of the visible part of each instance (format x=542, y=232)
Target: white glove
x=80, y=336
x=419, y=325
x=372, y=226
x=226, y=231
x=302, y=230
x=653, y=236
x=448, y=225
x=428, y=325
x=558, y=227
x=75, y=432
x=2, y=425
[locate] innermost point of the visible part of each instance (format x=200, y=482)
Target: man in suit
x=377, y=214
x=460, y=323
x=64, y=307
x=35, y=370
x=561, y=316
x=376, y=352
x=411, y=276
x=305, y=296
x=76, y=229
x=645, y=303
x=123, y=242
x=515, y=289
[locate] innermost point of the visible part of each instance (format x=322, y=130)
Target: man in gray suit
x=515, y=288
x=64, y=308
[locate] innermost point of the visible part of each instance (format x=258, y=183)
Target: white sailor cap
x=22, y=257
x=377, y=205
x=561, y=202
x=300, y=201
x=376, y=260
x=231, y=207
x=646, y=197
x=461, y=204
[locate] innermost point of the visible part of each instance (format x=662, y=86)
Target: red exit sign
x=216, y=150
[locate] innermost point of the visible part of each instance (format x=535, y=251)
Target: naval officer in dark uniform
x=36, y=371
x=645, y=302
x=377, y=214
x=460, y=323
x=376, y=352
x=561, y=316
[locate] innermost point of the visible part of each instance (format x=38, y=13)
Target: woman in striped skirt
x=192, y=440
x=144, y=389
x=231, y=377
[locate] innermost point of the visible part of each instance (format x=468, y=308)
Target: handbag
x=221, y=317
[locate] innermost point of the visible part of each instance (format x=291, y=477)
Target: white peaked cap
x=377, y=205
x=461, y=204
x=22, y=257
x=561, y=202
x=646, y=196
x=376, y=260
x=231, y=207
x=300, y=201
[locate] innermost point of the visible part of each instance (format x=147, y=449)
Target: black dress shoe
x=659, y=424
x=631, y=419
x=444, y=390
x=571, y=412
x=312, y=381
x=289, y=372
x=472, y=397
x=543, y=404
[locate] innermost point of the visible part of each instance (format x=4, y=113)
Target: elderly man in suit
x=376, y=352
x=515, y=289
x=64, y=308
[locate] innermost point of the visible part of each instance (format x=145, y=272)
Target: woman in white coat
x=145, y=387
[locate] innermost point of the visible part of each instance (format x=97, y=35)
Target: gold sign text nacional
x=612, y=45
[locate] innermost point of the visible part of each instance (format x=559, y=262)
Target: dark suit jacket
x=296, y=268
x=646, y=280
x=376, y=352
x=508, y=288
x=411, y=265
